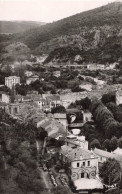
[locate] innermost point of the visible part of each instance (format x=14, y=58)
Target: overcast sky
x=45, y=10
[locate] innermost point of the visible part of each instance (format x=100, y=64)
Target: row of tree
x=104, y=120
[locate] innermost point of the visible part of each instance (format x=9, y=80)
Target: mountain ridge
x=17, y=26
x=95, y=34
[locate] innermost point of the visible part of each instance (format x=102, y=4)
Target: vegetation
x=18, y=157
x=110, y=172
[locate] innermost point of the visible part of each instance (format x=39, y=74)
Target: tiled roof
x=60, y=116
x=75, y=153
x=53, y=98
x=106, y=154
x=87, y=184
x=102, y=153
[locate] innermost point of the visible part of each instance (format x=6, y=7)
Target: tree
x=120, y=142
x=95, y=144
x=107, y=145
x=110, y=172
x=114, y=143
x=58, y=109
x=85, y=103
x=109, y=97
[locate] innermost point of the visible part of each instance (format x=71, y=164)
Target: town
x=71, y=147
x=60, y=97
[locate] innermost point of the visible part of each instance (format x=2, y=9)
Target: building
x=119, y=97
x=82, y=163
x=13, y=109
x=57, y=74
x=61, y=118
x=92, y=67
x=76, y=141
x=31, y=79
x=12, y=81
x=5, y=98
x=87, y=116
x=53, y=101
x=87, y=87
x=104, y=155
x=95, y=67
x=28, y=73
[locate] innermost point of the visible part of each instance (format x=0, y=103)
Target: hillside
x=18, y=26
x=95, y=35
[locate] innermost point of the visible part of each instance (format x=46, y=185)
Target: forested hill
x=18, y=26
x=95, y=34
x=102, y=17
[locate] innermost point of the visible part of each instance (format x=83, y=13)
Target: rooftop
x=87, y=184
x=76, y=153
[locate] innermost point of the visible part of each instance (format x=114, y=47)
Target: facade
x=12, y=81
x=13, y=109
x=82, y=163
x=53, y=101
x=95, y=67
x=119, y=97
x=56, y=73
x=5, y=98
x=87, y=116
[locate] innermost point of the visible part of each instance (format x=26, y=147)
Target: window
x=83, y=163
x=100, y=158
x=88, y=163
x=77, y=164
x=82, y=175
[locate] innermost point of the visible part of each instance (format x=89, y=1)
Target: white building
x=5, y=98
x=12, y=81
x=119, y=97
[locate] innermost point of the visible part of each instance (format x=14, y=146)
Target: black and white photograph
x=60, y=96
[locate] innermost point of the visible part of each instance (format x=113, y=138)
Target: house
x=82, y=163
x=3, y=105
x=95, y=67
x=100, y=67
x=53, y=128
x=12, y=81
x=87, y=87
x=119, y=97
x=76, y=141
x=92, y=67
x=57, y=74
x=104, y=155
x=13, y=109
x=53, y=101
x=61, y=118
x=31, y=79
x=28, y=73
x=87, y=116
x=5, y=98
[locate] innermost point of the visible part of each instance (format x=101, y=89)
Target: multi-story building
x=82, y=163
x=12, y=81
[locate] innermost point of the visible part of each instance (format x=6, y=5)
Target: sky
x=45, y=10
